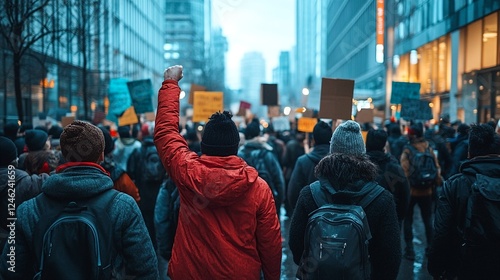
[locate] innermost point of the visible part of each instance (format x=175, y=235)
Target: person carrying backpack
x=346, y=184
x=79, y=227
x=421, y=167
x=466, y=241
x=227, y=226
x=258, y=154
x=303, y=172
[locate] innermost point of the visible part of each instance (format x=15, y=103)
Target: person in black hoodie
x=303, y=172
x=396, y=140
x=348, y=170
x=460, y=148
x=448, y=255
x=391, y=175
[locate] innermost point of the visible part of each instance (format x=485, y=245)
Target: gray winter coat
x=131, y=238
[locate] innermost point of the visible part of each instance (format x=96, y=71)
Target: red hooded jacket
x=228, y=227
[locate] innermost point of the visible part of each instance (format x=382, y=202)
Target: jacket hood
x=258, y=143
x=222, y=181
x=351, y=194
x=77, y=181
x=489, y=187
x=487, y=165
x=319, y=152
x=379, y=157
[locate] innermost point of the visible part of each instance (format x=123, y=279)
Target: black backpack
x=152, y=167
x=74, y=239
x=423, y=169
x=481, y=233
x=256, y=159
x=336, y=238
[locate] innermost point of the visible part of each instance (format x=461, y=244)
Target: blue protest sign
x=402, y=90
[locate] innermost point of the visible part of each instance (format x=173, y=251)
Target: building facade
x=253, y=74
x=282, y=77
x=71, y=70
x=452, y=49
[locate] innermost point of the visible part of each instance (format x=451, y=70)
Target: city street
x=416, y=270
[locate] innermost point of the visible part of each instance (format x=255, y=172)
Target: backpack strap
x=375, y=191
x=321, y=199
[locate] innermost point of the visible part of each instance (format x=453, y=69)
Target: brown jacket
x=421, y=145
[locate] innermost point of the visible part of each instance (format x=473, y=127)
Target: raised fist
x=173, y=73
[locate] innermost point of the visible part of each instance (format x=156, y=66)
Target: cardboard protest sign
x=150, y=116
x=269, y=94
x=415, y=109
x=129, y=117
x=194, y=87
x=205, y=103
x=364, y=116
x=244, y=106
x=141, y=92
x=306, y=124
x=273, y=111
x=281, y=123
x=336, y=99
x=119, y=98
x=402, y=90
x=67, y=120
x=364, y=134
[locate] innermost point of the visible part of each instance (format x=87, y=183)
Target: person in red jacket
x=227, y=227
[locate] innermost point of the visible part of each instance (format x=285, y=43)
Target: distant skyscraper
x=310, y=52
x=187, y=38
x=281, y=76
x=253, y=73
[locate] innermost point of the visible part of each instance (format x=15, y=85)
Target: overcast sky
x=267, y=26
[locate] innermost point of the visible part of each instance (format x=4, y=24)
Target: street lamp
x=305, y=91
x=182, y=94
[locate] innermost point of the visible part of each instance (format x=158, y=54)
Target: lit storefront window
x=490, y=40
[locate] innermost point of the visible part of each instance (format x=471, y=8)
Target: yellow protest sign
x=128, y=117
x=306, y=124
x=206, y=103
x=364, y=134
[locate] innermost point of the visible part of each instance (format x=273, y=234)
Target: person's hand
x=173, y=73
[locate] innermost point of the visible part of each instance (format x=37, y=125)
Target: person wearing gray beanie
x=347, y=139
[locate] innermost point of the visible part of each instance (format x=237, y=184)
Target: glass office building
x=452, y=49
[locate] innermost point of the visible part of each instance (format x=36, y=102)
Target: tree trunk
x=17, y=86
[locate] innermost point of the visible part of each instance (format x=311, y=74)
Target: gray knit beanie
x=347, y=139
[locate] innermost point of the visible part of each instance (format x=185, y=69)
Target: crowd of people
x=166, y=199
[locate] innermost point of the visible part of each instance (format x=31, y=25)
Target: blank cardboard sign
x=269, y=94
x=336, y=99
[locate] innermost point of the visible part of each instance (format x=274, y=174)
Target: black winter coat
x=444, y=254
x=384, y=247
x=392, y=177
x=303, y=172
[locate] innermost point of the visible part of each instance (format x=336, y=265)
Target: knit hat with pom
x=220, y=136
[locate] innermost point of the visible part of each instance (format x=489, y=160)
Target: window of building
x=490, y=40
x=473, y=46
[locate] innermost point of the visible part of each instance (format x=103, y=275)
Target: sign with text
x=129, y=117
x=141, y=92
x=269, y=94
x=306, y=124
x=206, y=103
x=281, y=123
x=194, y=87
x=402, y=90
x=415, y=109
x=336, y=99
x=364, y=116
x=119, y=98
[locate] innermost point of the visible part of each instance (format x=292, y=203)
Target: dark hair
x=483, y=140
x=322, y=133
x=416, y=130
x=124, y=131
x=38, y=162
x=343, y=170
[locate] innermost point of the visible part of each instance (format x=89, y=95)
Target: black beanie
x=322, y=133
x=8, y=151
x=221, y=136
x=252, y=130
x=109, y=144
x=35, y=139
x=483, y=141
x=375, y=140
